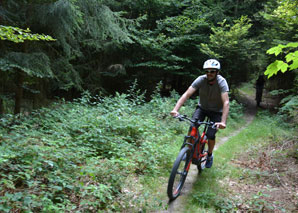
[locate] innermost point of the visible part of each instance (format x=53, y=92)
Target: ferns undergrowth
x=77, y=156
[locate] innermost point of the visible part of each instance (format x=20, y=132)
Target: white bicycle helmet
x=211, y=64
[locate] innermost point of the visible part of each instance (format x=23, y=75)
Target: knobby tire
x=178, y=173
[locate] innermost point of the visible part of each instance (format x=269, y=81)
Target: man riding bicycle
x=213, y=101
x=259, y=89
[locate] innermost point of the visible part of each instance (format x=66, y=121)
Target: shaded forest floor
x=269, y=183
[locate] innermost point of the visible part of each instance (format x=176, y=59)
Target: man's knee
x=211, y=135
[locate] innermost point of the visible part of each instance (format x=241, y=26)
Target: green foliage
x=77, y=156
x=286, y=26
x=290, y=107
x=236, y=110
x=230, y=41
x=284, y=53
x=286, y=15
x=148, y=40
x=258, y=203
x=290, y=57
x=227, y=36
x=18, y=35
x=84, y=31
x=34, y=64
x=210, y=199
x=180, y=25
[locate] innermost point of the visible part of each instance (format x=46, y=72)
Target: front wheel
x=179, y=173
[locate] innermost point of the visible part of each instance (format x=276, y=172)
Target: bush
x=289, y=108
x=75, y=156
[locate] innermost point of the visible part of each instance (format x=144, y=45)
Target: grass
x=248, y=89
x=211, y=192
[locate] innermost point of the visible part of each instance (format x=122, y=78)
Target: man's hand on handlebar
x=174, y=113
x=220, y=125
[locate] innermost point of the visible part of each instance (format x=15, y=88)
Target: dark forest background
x=103, y=46
x=86, y=87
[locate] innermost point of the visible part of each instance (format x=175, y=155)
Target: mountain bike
x=193, y=151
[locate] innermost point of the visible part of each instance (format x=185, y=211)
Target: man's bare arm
x=225, y=110
x=182, y=100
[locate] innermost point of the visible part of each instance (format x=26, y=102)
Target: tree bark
x=1, y=107
x=1, y=92
x=236, y=8
x=20, y=75
x=39, y=99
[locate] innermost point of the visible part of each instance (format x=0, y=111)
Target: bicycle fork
x=191, y=141
x=196, y=152
x=204, y=141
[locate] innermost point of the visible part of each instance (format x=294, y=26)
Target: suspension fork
x=191, y=140
x=203, y=140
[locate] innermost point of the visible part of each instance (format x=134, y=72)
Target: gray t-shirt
x=210, y=95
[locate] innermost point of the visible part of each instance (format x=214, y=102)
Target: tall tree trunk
x=2, y=79
x=19, y=91
x=1, y=107
x=39, y=99
x=236, y=8
x=20, y=75
x=164, y=85
x=1, y=92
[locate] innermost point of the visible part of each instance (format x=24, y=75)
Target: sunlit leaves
x=227, y=38
x=282, y=66
x=276, y=50
x=276, y=66
x=287, y=10
x=231, y=42
x=292, y=44
x=294, y=58
x=18, y=35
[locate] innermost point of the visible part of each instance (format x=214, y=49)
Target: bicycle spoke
x=178, y=174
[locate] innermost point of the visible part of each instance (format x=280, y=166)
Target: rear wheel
x=179, y=173
x=202, y=160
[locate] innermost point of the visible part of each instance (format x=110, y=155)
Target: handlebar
x=208, y=123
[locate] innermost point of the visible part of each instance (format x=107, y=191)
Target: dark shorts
x=200, y=115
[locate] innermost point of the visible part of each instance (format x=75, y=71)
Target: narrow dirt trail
x=250, y=112
x=178, y=205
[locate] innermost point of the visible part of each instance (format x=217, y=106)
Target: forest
x=86, y=88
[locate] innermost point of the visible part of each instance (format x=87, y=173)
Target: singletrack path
x=178, y=205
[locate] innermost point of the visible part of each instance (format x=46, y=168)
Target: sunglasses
x=211, y=71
